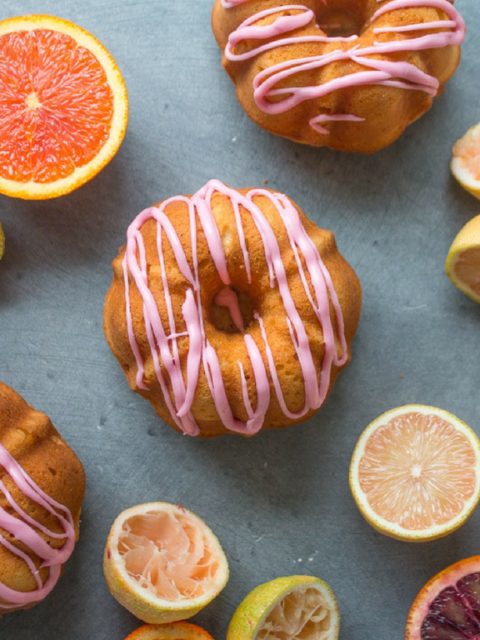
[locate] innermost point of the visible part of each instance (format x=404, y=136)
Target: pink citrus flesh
x=468, y=149
x=163, y=563
x=63, y=106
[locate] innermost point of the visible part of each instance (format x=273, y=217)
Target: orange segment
x=63, y=107
x=163, y=563
x=174, y=631
x=415, y=472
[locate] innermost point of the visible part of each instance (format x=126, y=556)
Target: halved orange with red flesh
x=415, y=473
x=448, y=606
x=163, y=563
x=63, y=107
x=174, y=631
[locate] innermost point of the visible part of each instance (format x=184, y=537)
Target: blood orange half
x=63, y=107
x=174, y=631
x=415, y=473
x=163, y=563
x=448, y=606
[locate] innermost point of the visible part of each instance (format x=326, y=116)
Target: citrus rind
x=143, y=604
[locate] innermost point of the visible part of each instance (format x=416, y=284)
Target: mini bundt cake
x=346, y=74
x=231, y=311
x=42, y=485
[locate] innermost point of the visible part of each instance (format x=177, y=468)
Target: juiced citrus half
x=290, y=608
x=163, y=563
x=415, y=473
x=174, y=631
x=448, y=606
x=463, y=260
x=465, y=163
x=63, y=107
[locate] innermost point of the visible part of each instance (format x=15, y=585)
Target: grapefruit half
x=288, y=608
x=415, y=473
x=63, y=107
x=163, y=563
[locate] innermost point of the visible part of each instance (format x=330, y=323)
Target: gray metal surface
x=280, y=503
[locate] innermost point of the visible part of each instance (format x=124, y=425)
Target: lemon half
x=290, y=608
x=463, y=261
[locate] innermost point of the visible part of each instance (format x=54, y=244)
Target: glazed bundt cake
x=42, y=486
x=231, y=311
x=346, y=74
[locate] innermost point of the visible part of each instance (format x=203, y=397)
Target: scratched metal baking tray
x=280, y=503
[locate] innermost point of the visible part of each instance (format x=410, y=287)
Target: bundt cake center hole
x=341, y=22
x=231, y=311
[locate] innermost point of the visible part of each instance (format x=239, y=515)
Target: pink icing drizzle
x=389, y=73
x=227, y=297
x=164, y=343
x=27, y=531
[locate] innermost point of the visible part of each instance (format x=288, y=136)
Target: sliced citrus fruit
x=448, y=606
x=174, y=631
x=415, y=473
x=290, y=608
x=163, y=563
x=465, y=163
x=463, y=260
x=2, y=242
x=63, y=107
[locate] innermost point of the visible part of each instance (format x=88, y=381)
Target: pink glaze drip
x=388, y=73
x=26, y=531
x=229, y=4
x=179, y=393
x=227, y=297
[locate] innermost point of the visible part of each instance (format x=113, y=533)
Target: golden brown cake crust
x=29, y=436
x=384, y=111
x=231, y=346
